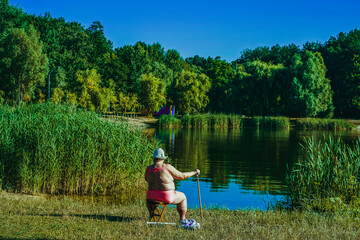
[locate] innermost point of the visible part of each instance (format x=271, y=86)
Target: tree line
x=43, y=58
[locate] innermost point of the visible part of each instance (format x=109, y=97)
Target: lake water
x=240, y=168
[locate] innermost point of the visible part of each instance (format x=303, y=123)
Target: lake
x=240, y=168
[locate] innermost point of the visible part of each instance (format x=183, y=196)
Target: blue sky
x=208, y=28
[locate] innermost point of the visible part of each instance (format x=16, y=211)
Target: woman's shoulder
x=170, y=167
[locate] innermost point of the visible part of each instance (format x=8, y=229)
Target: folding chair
x=157, y=210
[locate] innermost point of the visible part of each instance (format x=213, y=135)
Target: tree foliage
x=152, y=92
x=341, y=59
x=22, y=63
x=310, y=94
x=84, y=69
x=190, y=92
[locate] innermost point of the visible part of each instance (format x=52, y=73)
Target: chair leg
x=156, y=212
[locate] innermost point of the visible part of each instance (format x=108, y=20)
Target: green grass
x=59, y=149
x=34, y=217
x=318, y=123
x=327, y=177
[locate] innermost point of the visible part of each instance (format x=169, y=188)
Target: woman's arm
x=181, y=175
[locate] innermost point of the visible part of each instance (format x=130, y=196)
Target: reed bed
x=318, y=123
x=219, y=120
x=232, y=120
x=327, y=177
x=266, y=122
x=253, y=122
x=59, y=149
x=169, y=121
x=201, y=121
x=275, y=122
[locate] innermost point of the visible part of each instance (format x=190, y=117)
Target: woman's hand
x=197, y=172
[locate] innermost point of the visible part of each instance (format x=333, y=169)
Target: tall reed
x=61, y=149
x=219, y=120
x=169, y=121
x=234, y=120
x=319, y=123
x=200, y=121
x=267, y=122
x=327, y=175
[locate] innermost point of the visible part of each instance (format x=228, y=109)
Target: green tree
x=238, y=98
x=136, y=58
x=99, y=48
x=166, y=75
x=151, y=93
x=23, y=63
x=57, y=95
x=10, y=17
x=115, y=71
x=156, y=52
x=259, y=87
x=90, y=94
x=340, y=57
x=173, y=60
x=221, y=74
x=310, y=95
x=190, y=92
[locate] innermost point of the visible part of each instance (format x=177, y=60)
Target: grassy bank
x=327, y=177
x=232, y=120
x=34, y=217
x=318, y=123
x=55, y=149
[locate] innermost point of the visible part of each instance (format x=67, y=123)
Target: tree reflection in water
x=240, y=168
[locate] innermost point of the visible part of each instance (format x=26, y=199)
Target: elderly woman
x=160, y=178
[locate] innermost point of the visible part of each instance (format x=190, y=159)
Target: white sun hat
x=159, y=153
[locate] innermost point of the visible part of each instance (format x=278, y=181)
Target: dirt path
x=139, y=122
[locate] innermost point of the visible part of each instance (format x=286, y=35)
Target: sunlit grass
x=34, y=217
x=51, y=148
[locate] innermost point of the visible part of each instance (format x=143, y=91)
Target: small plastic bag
x=190, y=224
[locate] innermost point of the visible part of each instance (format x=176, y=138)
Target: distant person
x=160, y=177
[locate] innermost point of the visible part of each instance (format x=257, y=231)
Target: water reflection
x=240, y=168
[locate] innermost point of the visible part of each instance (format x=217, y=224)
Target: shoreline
x=149, y=122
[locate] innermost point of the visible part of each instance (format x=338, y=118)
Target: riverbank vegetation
x=71, y=63
x=61, y=149
x=236, y=121
x=319, y=123
x=327, y=177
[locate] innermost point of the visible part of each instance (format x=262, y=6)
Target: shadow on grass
x=90, y=216
x=28, y=238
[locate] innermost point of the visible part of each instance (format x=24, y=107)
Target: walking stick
x=199, y=197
